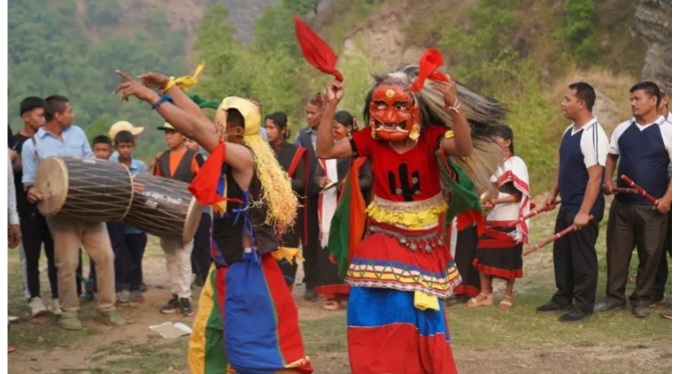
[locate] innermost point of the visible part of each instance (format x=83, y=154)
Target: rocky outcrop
x=653, y=24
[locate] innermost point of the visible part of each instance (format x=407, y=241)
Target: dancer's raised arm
x=199, y=128
x=326, y=147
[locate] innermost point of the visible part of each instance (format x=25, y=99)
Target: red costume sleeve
x=363, y=142
x=433, y=136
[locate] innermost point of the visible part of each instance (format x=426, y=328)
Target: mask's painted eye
x=382, y=106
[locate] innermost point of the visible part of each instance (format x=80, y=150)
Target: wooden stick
x=640, y=190
x=551, y=239
x=535, y=212
x=625, y=190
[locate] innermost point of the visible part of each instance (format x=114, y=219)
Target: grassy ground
x=484, y=340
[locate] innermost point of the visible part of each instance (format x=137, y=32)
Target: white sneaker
x=12, y=318
x=37, y=306
x=55, y=307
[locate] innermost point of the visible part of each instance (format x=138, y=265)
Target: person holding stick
x=499, y=252
x=642, y=148
x=583, y=153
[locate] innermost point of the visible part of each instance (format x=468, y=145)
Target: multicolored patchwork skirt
x=405, y=260
x=247, y=323
x=386, y=334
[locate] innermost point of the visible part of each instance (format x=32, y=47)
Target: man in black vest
x=307, y=138
x=181, y=163
x=640, y=149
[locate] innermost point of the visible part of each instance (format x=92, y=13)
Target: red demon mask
x=394, y=114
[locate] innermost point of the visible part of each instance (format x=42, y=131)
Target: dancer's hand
x=448, y=89
x=153, y=80
x=334, y=92
x=130, y=87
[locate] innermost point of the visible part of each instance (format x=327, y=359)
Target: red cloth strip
x=204, y=185
x=466, y=290
x=431, y=60
x=316, y=51
x=289, y=338
x=496, y=272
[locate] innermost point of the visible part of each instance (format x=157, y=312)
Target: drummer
x=181, y=163
x=58, y=137
x=102, y=148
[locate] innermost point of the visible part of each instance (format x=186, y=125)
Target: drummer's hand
x=153, y=80
x=14, y=236
x=33, y=195
x=138, y=187
x=130, y=87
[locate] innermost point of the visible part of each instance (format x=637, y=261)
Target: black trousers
x=662, y=273
x=200, y=256
x=466, y=249
x=632, y=226
x=35, y=235
x=575, y=264
x=136, y=245
x=129, y=251
x=310, y=250
x=121, y=262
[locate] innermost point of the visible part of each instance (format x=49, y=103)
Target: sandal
x=483, y=299
x=331, y=305
x=506, y=303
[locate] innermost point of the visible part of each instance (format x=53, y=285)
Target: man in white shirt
x=640, y=148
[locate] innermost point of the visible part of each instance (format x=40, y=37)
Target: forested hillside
x=72, y=48
x=523, y=52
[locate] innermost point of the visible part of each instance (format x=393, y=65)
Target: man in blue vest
x=583, y=153
x=642, y=148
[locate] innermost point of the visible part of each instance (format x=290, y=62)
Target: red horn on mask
x=431, y=60
x=316, y=51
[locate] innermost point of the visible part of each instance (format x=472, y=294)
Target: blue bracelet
x=163, y=99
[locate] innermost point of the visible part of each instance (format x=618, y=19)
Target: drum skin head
x=193, y=219
x=52, y=182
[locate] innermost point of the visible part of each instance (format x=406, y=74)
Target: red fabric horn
x=316, y=51
x=431, y=60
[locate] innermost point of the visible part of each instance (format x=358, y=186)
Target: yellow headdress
x=277, y=192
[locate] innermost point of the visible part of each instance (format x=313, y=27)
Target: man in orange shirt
x=181, y=163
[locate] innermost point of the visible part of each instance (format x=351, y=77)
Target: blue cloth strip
x=375, y=307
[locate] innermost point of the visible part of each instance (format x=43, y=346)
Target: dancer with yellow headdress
x=247, y=320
